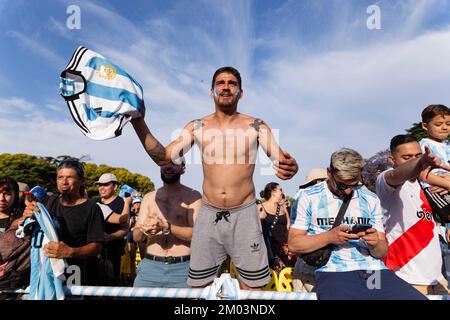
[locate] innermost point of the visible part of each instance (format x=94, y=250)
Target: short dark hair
x=227, y=69
x=434, y=110
x=399, y=140
x=72, y=164
x=12, y=186
x=267, y=192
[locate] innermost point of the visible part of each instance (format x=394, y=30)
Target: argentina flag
x=47, y=274
x=102, y=97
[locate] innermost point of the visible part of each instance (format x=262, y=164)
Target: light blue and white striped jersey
x=101, y=96
x=439, y=149
x=47, y=274
x=293, y=214
x=316, y=209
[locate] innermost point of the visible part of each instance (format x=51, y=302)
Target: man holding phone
x=354, y=270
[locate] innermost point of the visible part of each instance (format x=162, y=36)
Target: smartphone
x=360, y=228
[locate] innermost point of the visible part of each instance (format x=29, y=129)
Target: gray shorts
x=239, y=234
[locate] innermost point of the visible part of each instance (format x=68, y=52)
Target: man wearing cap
x=114, y=233
x=167, y=216
x=37, y=193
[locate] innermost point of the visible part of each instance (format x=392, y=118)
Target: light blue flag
x=126, y=189
x=47, y=274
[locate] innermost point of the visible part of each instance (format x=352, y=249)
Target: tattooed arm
x=154, y=148
x=266, y=139
x=162, y=155
x=285, y=165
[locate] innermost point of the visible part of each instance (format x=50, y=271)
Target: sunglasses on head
x=75, y=164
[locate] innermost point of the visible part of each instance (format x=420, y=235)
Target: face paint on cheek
x=238, y=92
x=216, y=92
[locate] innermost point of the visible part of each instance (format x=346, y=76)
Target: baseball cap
x=136, y=200
x=106, y=178
x=39, y=192
x=314, y=174
x=23, y=187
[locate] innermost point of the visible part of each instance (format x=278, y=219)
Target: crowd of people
x=341, y=240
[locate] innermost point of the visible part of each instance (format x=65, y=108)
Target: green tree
x=41, y=171
x=417, y=131
x=29, y=169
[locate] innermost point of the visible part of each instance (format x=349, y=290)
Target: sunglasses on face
x=342, y=186
x=104, y=184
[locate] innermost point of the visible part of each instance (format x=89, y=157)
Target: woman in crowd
x=275, y=216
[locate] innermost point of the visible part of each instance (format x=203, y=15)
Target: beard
x=66, y=196
x=170, y=178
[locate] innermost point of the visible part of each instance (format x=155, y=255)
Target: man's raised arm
x=417, y=168
x=162, y=155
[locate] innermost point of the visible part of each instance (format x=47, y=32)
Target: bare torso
x=175, y=207
x=228, y=156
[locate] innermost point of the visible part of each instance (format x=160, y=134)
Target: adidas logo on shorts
x=255, y=247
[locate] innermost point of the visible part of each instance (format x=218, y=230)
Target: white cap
x=23, y=187
x=313, y=174
x=107, y=177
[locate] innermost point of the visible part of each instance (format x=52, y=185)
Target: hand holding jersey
x=100, y=95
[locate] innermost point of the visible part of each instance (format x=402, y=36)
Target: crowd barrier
x=223, y=288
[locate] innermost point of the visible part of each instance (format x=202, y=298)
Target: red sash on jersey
x=413, y=241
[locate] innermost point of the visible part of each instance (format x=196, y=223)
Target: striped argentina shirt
x=102, y=98
x=316, y=209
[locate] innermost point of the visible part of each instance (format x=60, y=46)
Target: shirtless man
x=166, y=216
x=229, y=223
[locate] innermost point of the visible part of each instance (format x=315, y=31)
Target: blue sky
x=311, y=69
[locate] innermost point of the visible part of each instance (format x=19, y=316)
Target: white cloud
x=324, y=89
x=358, y=98
x=37, y=47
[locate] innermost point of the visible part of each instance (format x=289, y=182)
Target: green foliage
x=137, y=181
x=29, y=169
x=417, y=131
x=42, y=171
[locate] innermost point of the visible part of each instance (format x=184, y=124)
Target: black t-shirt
x=114, y=248
x=77, y=226
x=4, y=223
x=80, y=224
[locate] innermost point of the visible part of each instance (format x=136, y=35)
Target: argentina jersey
x=100, y=95
x=316, y=209
x=439, y=149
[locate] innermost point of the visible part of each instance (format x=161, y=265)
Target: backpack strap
x=342, y=210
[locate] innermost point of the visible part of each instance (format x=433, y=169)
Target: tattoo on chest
x=256, y=124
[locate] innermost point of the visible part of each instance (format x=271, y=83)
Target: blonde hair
x=347, y=164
